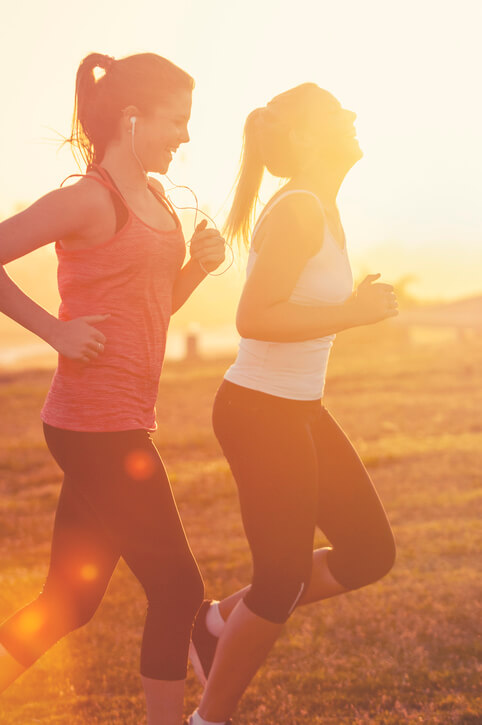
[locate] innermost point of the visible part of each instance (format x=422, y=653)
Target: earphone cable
x=195, y=209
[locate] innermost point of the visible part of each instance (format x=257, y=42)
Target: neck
x=323, y=179
x=124, y=167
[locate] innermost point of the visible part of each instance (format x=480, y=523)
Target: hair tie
x=108, y=60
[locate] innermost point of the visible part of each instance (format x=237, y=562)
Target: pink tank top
x=131, y=277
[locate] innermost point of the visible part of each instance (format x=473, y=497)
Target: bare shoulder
x=68, y=212
x=83, y=195
x=301, y=209
x=89, y=202
x=296, y=221
x=90, y=191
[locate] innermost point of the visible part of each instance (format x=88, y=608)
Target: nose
x=184, y=137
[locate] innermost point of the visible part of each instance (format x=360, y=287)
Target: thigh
x=274, y=463
x=350, y=512
x=83, y=554
x=123, y=479
x=147, y=521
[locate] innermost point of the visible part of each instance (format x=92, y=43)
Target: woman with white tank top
x=294, y=467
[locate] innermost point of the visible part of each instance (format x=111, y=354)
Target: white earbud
x=133, y=120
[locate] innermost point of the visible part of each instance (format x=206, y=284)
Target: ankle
x=196, y=719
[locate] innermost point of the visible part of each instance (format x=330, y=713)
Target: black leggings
x=295, y=469
x=115, y=501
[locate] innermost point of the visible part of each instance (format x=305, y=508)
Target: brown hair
x=267, y=144
x=143, y=80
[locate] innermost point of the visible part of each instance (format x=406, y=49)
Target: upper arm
x=293, y=234
x=61, y=214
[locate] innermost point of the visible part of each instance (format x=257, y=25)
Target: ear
x=127, y=114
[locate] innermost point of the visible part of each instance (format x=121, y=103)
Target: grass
x=404, y=650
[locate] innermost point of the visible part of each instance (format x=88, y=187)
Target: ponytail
x=240, y=218
x=268, y=144
x=91, y=129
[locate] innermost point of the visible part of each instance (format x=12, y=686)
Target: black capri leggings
x=115, y=501
x=295, y=469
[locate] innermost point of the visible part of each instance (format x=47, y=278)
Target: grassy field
x=404, y=650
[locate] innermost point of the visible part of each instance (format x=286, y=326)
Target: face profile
x=318, y=127
x=159, y=134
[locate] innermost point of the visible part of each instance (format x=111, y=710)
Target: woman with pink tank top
x=294, y=467
x=121, y=275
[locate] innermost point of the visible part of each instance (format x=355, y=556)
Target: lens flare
x=30, y=622
x=89, y=572
x=139, y=465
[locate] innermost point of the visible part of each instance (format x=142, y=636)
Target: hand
x=77, y=339
x=207, y=247
x=373, y=302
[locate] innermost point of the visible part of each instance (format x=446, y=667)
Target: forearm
x=19, y=307
x=190, y=276
x=290, y=322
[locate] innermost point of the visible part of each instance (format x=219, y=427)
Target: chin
x=354, y=154
x=160, y=168
x=358, y=155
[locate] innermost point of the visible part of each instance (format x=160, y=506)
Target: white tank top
x=296, y=370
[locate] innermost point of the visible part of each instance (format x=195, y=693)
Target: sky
x=411, y=72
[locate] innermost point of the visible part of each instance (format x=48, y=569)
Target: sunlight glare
x=89, y=572
x=139, y=465
x=30, y=622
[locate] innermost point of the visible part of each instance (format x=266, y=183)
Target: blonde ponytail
x=240, y=218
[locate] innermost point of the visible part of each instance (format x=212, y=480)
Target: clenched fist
x=372, y=302
x=207, y=247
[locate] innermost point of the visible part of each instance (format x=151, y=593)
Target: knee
x=82, y=613
x=387, y=560
x=191, y=589
x=74, y=614
x=47, y=619
x=382, y=558
x=371, y=562
x=274, y=595
x=70, y=608
x=179, y=591
x=195, y=593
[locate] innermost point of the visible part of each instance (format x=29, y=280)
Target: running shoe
x=188, y=722
x=203, y=645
